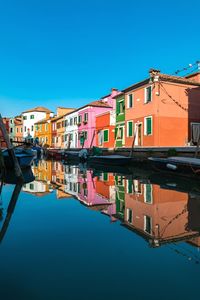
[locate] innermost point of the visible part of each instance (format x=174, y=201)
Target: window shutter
x=130, y=186
x=130, y=101
x=105, y=135
x=149, y=126
x=118, y=108
x=130, y=129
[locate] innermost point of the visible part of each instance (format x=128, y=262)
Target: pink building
x=87, y=118
x=87, y=192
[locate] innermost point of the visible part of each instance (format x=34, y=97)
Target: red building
x=6, y=123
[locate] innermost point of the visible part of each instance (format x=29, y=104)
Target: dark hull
x=24, y=160
x=108, y=161
x=180, y=168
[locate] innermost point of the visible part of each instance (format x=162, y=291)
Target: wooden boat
x=113, y=160
x=75, y=156
x=185, y=166
x=54, y=154
x=25, y=158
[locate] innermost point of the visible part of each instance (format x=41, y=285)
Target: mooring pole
x=18, y=171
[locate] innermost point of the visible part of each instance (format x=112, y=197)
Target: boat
x=185, y=166
x=75, y=156
x=111, y=160
x=25, y=157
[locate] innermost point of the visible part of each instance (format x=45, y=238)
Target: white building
x=71, y=180
x=32, y=116
x=71, y=130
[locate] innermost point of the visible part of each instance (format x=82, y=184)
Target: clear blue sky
x=67, y=52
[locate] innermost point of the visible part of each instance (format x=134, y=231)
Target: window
x=32, y=128
x=31, y=186
x=21, y=130
x=129, y=128
x=36, y=127
x=130, y=101
x=100, y=138
x=105, y=135
x=120, y=107
x=71, y=121
x=105, y=176
x=32, y=117
x=85, y=117
x=41, y=127
x=129, y=186
x=148, y=193
x=46, y=127
x=17, y=129
x=75, y=121
x=129, y=216
x=148, y=126
x=24, y=117
x=148, y=224
x=79, y=119
x=148, y=94
x=11, y=130
x=24, y=128
x=119, y=133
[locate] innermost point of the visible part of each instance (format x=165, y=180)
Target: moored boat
x=114, y=160
x=185, y=166
x=25, y=158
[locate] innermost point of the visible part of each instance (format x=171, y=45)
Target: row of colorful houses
x=161, y=110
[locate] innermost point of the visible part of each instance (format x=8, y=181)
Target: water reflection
x=9, y=178
x=161, y=210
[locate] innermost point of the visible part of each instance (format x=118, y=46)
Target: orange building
x=157, y=214
x=18, y=128
x=105, y=128
x=162, y=110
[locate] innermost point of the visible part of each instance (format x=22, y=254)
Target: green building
x=120, y=121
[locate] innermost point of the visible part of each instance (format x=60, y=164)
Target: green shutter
x=118, y=108
x=105, y=176
x=105, y=135
x=148, y=193
x=130, y=128
x=130, y=186
x=130, y=100
x=149, y=126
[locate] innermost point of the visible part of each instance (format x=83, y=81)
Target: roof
x=97, y=103
x=162, y=77
x=178, y=79
x=43, y=121
x=39, y=109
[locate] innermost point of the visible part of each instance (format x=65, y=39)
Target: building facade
x=32, y=116
x=155, y=108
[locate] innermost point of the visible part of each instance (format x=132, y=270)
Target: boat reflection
x=162, y=210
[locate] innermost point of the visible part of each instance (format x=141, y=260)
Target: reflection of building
x=159, y=215
x=71, y=180
x=87, y=191
x=37, y=188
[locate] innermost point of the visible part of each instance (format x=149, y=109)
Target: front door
x=138, y=137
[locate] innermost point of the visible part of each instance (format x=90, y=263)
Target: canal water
x=78, y=233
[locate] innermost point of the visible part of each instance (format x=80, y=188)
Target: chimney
x=154, y=74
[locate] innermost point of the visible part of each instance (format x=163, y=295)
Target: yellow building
x=43, y=132
x=50, y=131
